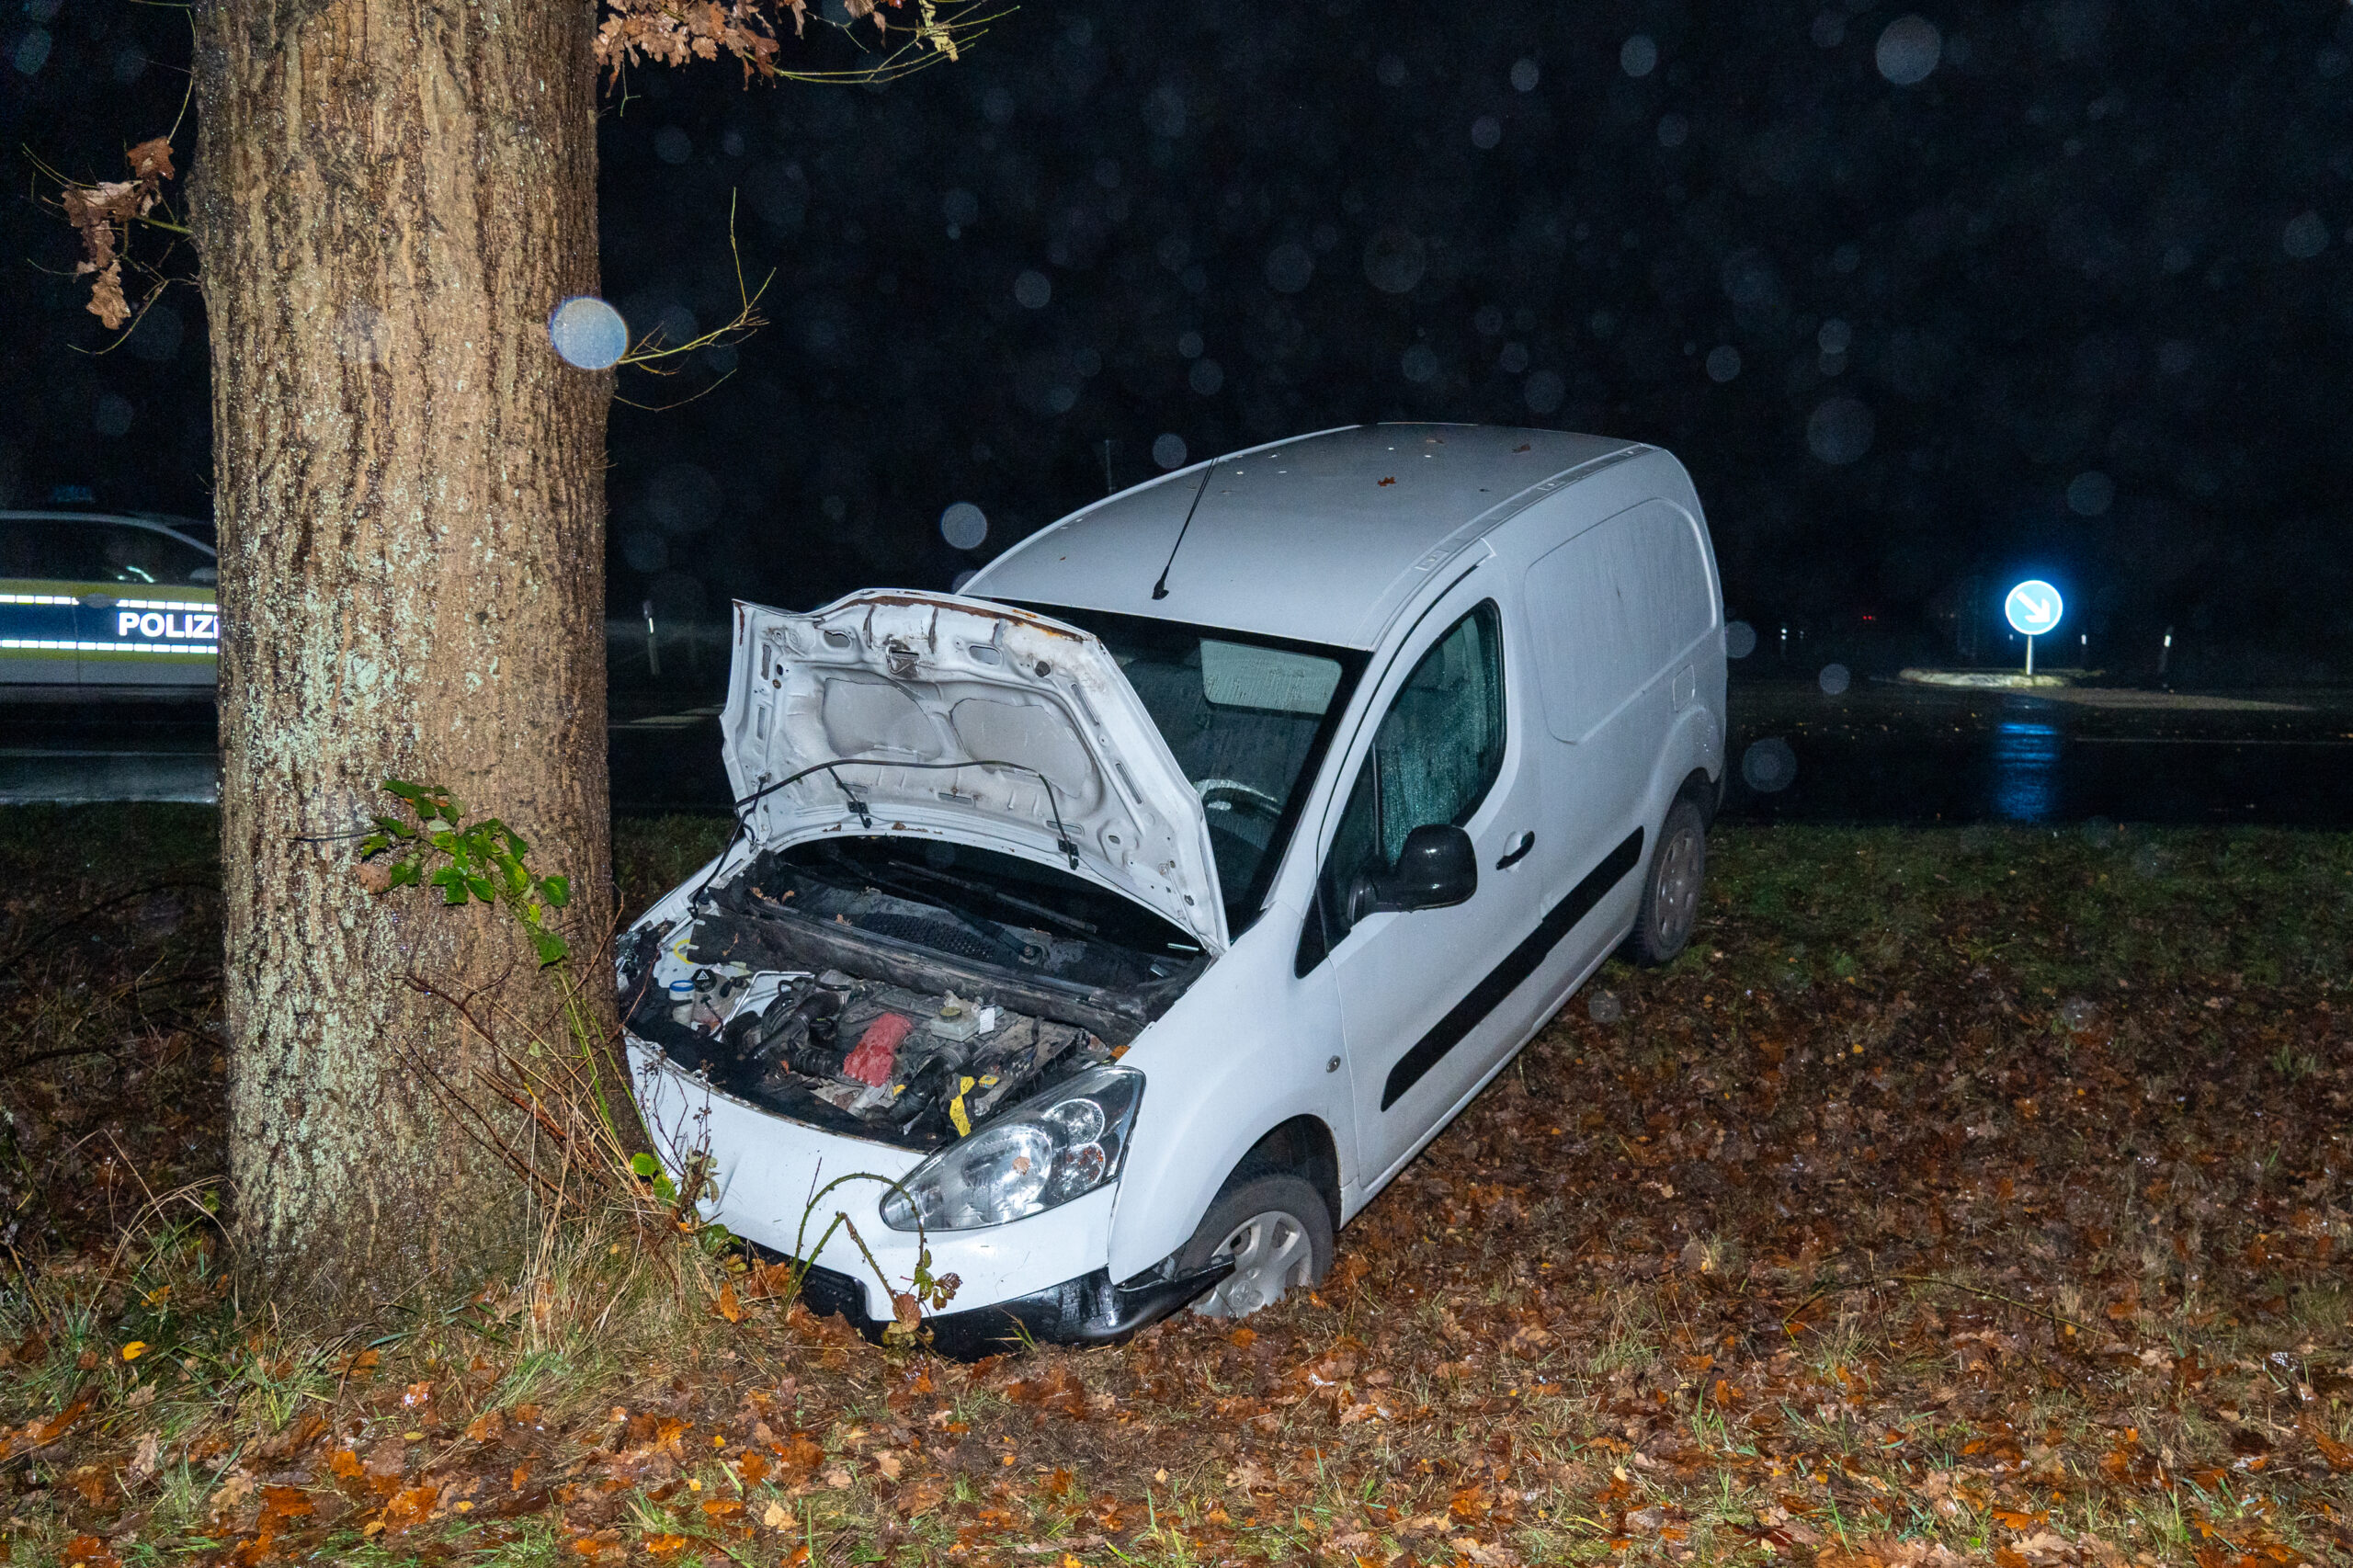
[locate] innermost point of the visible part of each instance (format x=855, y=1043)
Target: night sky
x=1923, y=300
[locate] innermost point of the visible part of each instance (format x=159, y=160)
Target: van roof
x=1320, y=538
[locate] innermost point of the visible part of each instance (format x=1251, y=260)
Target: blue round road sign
x=2033, y=607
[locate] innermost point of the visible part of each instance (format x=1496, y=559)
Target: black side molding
x=1505, y=978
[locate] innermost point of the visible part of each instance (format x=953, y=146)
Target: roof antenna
x=1160, y=588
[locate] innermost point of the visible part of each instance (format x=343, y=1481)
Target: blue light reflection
x=2026, y=770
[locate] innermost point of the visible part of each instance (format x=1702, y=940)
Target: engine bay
x=889, y=992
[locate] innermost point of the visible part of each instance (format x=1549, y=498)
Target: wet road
x=1878, y=752
x=662, y=761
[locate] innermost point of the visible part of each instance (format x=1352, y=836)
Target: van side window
x=1436, y=754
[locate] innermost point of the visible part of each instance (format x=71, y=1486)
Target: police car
x=106, y=604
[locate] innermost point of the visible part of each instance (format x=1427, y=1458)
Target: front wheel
x=1278, y=1232
x=1671, y=893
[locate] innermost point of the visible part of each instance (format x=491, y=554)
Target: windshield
x=1249, y=719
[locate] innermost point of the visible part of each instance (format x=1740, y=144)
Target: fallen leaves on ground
x=1961, y=1198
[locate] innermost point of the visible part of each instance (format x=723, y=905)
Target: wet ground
x=1880, y=752
x=1877, y=752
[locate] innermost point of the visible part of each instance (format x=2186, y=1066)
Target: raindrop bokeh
x=1169, y=449
x=963, y=526
x=2090, y=494
x=1639, y=55
x=1723, y=362
x=1908, y=50
x=113, y=415
x=1206, y=377
x=672, y=145
x=588, y=333
x=1768, y=766
x=156, y=337
x=2305, y=237
x=1543, y=393
x=957, y=584
x=1033, y=289
x=1524, y=73
x=1486, y=132
x=1289, y=266
x=1740, y=639
x=1840, y=430
x=646, y=550
x=1835, y=679
x=1394, y=260
x=1419, y=363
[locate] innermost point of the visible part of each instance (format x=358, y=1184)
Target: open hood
x=968, y=720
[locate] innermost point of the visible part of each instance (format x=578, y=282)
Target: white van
x=1121, y=926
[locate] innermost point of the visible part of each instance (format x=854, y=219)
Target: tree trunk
x=391, y=195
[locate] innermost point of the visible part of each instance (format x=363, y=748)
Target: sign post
x=2033, y=607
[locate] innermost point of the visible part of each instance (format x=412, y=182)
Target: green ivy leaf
x=552, y=948
x=644, y=1166
x=557, y=891
x=374, y=844
x=407, y=874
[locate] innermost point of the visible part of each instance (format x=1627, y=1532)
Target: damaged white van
x=1126, y=921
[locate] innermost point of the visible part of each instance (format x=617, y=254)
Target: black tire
x=1678, y=870
x=1295, y=1225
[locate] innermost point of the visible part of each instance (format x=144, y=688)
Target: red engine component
x=878, y=1049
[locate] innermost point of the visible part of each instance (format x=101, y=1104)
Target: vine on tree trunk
x=469, y=860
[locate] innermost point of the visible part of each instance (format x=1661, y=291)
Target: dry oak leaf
x=152, y=160
x=233, y=1489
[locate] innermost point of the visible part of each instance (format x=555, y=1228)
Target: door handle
x=1517, y=852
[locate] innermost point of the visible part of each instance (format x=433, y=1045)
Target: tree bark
x=390, y=197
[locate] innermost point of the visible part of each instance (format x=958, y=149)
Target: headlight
x=1061, y=1145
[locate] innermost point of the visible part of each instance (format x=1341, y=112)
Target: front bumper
x=1089, y=1310
x=769, y=1172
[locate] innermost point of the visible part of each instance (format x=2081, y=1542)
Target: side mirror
x=1437, y=867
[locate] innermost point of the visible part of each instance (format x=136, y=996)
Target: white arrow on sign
x=2033, y=607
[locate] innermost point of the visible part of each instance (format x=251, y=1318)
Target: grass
x=1962, y=1196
